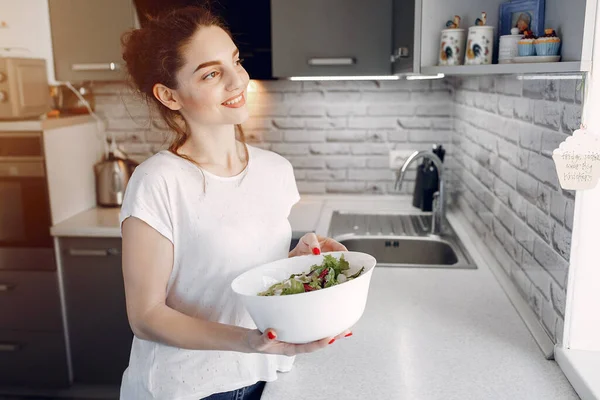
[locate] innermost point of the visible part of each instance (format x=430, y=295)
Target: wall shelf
x=573, y=20
x=521, y=68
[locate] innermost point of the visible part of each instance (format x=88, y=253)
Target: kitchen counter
x=44, y=123
x=95, y=222
x=426, y=333
x=311, y=214
x=430, y=334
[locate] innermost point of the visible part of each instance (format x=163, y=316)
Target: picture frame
x=528, y=14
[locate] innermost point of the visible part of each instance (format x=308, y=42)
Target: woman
x=196, y=216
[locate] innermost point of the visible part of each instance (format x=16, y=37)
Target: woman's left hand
x=312, y=243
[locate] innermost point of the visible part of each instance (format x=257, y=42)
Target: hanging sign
x=577, y=160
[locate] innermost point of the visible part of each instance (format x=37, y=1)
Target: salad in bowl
x=307, y=298
x=330, y=272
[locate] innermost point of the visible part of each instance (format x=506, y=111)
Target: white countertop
x=430, y=334
x=426, y=333
x=312, y=213
x=43, y=123
x=95, y=222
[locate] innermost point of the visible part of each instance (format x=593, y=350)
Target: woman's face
x=212, y=82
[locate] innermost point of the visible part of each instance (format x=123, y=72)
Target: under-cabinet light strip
x=345, y=78
x=420, y=77
x=551, y=77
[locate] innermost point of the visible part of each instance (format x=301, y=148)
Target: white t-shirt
x=239, y=222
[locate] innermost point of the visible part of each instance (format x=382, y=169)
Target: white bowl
x=310, y=316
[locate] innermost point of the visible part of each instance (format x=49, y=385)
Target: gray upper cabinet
x=86, y=38
x=331, y=37
x=406, y=15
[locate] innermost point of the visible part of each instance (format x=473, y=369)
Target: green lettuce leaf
x=295, y=287
x=330, y=278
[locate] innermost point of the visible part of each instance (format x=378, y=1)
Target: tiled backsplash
x=504, y=132
x=499, y=133
x=336, y=134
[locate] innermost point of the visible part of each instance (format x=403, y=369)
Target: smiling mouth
x=235, y=100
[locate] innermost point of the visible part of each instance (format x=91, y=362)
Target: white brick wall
x=504, y=132
x=336, y=134
x=340, y=133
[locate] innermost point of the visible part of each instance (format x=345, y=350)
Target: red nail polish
x=349, y=334
x=332, y=340
x=316, y=251
x=271, y=335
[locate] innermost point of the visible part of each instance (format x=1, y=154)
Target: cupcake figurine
x=526, y=44
x=547, y=45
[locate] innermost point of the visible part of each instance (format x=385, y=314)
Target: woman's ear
x=166, y=96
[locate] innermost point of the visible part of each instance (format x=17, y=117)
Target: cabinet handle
x=96, y=67
x=5, y=287
x=94, y=252
x=401, y=52
x=332, y=61
x=6, y=347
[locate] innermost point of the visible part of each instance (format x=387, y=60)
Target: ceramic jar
x=509, y=46
x=452, y=46
x=480, y=45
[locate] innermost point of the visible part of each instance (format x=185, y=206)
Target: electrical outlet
x=397, y=158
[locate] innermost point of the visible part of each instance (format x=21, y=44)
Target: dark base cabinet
x=33, y=359
x=32, y=342
x=99, y=332
x=30, y=301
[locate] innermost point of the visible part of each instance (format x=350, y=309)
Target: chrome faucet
x=439, y=197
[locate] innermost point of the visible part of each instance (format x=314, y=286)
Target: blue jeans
x=252, y=392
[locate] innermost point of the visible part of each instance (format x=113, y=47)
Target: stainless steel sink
x=401, y=240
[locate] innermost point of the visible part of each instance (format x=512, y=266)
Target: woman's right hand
x=267, y=343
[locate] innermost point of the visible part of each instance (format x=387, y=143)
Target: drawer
x=84, y=247
x=29, y=300
x=33, y=359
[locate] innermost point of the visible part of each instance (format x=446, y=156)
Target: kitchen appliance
x=24, y=91
x=427, y=181
x=25, y=241
x=417, y=200
x=112, y=176
x=32, y=340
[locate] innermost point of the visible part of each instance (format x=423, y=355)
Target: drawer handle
x=6, y=347
x=94, y=252
x=5, y=287
x=332, y=61
x=96, y=67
